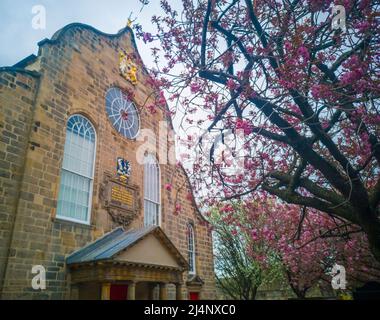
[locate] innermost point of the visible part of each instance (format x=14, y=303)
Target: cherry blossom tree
x=238, y=274
x=307, y=251
x=304, y=94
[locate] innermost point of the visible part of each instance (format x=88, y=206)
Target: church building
x=92, y=205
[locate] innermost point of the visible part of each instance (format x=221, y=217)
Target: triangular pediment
x=150, y=250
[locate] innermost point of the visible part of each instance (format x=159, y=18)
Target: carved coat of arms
x=127, y=67
x=123, y=169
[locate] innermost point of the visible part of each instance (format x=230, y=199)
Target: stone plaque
x=122, y=196
x=120, y=199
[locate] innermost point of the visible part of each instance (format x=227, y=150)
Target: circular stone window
x=122, y=113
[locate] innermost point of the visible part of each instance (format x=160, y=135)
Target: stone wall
x=17, y=95
x=77, y=67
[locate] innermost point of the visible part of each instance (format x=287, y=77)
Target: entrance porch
x=134, y=265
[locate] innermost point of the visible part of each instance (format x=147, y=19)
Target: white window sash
x=191, y=250
x=152, y=192
x=64, y=215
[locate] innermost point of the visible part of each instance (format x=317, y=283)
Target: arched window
x=191, y=248
x=77, y=174
x=151, y=191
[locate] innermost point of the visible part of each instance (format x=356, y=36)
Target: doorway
x=119, y=292
x=194, y=295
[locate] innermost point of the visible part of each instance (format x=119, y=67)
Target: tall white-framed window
x=152, y=194
x=191, y=248
x=77, y=173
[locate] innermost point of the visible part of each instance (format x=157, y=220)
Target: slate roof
x=25, y=62
x=195, y=280
x=109, y=245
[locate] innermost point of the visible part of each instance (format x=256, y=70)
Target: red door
x=194, y=295
x=119, y=292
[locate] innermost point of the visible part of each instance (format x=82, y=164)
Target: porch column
x=131, y=291
x=178, y=291
x=152, y=286
x=74, y=292
x=106, y=291
x=163, y=291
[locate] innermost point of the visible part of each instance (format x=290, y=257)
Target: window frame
x=92, y=178
x=191, y=232
x=131, y=101
x=158, y=189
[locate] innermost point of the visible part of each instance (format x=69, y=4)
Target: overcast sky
x=19, y=39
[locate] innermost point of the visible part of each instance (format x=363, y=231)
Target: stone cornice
x=34, y=74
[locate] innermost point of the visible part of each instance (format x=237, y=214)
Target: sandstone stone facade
x=71, y=75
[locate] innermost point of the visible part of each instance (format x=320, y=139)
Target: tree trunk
x=300, y=293
x=371, y=226
x=253, y=293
